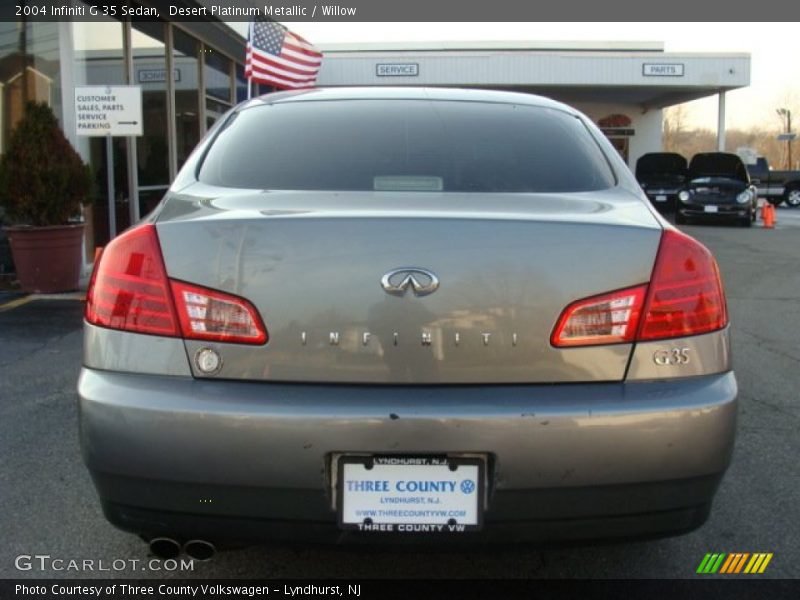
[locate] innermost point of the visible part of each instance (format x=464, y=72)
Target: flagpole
x=249, y=80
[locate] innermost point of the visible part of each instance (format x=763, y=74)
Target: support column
x=721, y=122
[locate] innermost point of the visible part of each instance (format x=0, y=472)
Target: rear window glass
x=406, y=145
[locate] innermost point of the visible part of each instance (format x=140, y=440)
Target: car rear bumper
x=220, y=459
x=664, y=201
x=724, y=211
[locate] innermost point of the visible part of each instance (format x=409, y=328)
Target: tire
x=679, y=218
x=792, y=197
x=746, y=222
x=776, y=202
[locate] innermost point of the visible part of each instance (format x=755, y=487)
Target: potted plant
x=43, y=183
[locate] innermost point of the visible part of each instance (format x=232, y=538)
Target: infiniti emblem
x=397, y=281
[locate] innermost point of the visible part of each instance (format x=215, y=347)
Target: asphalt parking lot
x=50, y=508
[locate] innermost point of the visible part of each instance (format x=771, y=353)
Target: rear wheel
x=792, y=197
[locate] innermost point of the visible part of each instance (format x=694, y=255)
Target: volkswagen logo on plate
x=467, y=486
x=421, y=281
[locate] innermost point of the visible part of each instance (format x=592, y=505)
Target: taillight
x=683, y=298
x=210, y=315
x=608, y=319
x=129, y=288
x=130, y=291
x=685, y=295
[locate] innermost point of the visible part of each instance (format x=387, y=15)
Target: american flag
x=278, y=57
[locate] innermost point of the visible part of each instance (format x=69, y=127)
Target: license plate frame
x=390, y=468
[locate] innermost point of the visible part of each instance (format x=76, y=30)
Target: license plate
x=410, y=494
x=661, y=198
x=710, y=208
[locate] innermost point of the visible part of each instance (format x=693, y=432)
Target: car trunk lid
x=507, y=265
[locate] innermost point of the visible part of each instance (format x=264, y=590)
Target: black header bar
x=405, y=10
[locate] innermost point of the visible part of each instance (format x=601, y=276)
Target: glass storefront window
x=241, y=84
x=217, y=75
x=218, y=85
x=99, y=61
x=29, y=71
x=214, y=110
x=186, y=53
x=152, y=150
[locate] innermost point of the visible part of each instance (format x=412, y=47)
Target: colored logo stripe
x=711, y=563
x=734, y=563
x=758, y=563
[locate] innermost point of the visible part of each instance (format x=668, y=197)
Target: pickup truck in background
x=775, y=186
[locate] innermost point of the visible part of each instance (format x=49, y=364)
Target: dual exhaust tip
x=165, y=548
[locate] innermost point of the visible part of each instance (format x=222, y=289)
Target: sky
x=774, y=50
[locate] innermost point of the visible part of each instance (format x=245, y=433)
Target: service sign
x=410, y=494
x=662, y=69
x=102, y=110
x=397, y=70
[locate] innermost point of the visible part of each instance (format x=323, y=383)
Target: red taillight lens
x=685, y=295
x=129, y=288
x=607, y=319
x=683, y=298
x=210, y=315
x=130, y=291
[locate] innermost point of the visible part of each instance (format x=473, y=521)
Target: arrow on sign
x=127, y=122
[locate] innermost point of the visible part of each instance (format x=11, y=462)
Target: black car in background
x=662, y=175
x=718, y=187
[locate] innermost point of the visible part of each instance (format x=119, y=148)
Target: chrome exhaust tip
x=199, y=550
x=164, y=547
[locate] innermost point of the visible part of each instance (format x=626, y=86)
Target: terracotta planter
x=47, y=259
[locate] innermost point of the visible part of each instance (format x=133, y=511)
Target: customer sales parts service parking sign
x=108, y=110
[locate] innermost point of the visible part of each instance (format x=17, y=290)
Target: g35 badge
x=673, y=356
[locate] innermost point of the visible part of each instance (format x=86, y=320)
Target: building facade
x=190, y=73
x=622, y=86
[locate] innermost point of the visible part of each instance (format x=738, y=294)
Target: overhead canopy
x=637, y=73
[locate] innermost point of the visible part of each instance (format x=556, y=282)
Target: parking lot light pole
x=786, y=114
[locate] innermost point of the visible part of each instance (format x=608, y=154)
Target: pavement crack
x=764, y=343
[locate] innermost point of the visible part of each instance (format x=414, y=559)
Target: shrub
x=43, y=180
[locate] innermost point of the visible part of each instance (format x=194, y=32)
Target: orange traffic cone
x=764, y=204
x=769, y=215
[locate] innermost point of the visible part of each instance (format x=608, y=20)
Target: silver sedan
x=405, y=315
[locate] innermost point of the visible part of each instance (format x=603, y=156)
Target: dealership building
x=622, y=86
x=190, y=73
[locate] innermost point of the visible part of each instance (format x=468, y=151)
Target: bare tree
x=786, y=112
x=674, y=125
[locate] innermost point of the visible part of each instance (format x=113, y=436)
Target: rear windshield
x=406, y=145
